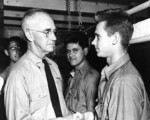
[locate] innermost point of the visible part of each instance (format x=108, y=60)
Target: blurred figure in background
x=12, y=49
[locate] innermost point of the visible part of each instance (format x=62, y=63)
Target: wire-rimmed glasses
x=47, y=32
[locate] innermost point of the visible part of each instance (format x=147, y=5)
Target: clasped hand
x=84, y=116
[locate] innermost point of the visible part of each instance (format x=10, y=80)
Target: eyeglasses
x=47, y=32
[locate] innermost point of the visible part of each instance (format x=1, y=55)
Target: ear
x=29, y=35
x=86, y=50
x=6, y=52
x=116, y=39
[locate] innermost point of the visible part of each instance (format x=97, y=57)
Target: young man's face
x=14, y=51
x=75, y=54
x=102, y=42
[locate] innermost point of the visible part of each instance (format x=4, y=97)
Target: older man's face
x=43, y=30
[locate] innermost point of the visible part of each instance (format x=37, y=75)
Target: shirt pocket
x=74, y=94
x=39, y=99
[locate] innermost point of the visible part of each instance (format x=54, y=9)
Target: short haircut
x=78, y=38
x=31, y=13
x=117, y=21
x=101, y=15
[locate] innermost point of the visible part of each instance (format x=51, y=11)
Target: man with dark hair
x=13, y=52
x=12, y=49
x=121, y=92
x=83, y=83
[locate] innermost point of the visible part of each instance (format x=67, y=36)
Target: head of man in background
x=13, y=48
x=77, y=48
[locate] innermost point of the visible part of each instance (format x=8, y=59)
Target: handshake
x=78, y=116
x=83, y=116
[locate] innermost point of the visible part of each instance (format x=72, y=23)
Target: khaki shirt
x=121, y=93
x=82, y=89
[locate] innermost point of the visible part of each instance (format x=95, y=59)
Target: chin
x=50, y=50
x=14, y=61
x=98, y=54
x=73, y=64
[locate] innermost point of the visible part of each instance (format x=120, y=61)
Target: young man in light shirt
x=121, y=92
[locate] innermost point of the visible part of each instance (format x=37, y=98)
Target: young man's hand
x=78, y=116
x=89, y=116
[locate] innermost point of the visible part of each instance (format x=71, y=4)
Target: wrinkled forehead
x=41, y=21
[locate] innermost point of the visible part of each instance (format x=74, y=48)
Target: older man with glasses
x=33, y=90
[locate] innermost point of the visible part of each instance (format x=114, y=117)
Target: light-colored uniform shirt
x=26, y=92
x=82, y=90
x=1, y=83
x=121, y=93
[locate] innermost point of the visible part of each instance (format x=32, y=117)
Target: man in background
x=83, y=83
x=13, y=52
x=12, y=49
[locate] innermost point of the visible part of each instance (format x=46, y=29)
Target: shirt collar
x=34, y=58
x=82, y=70
x=108, y=70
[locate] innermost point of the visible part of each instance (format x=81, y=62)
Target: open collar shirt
x=82, y=89
x=27, y=95
x=121, y=93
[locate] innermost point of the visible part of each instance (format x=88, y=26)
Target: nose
x=94, y=41
x=18, y=52
x=53, y=36
x=70, y=54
